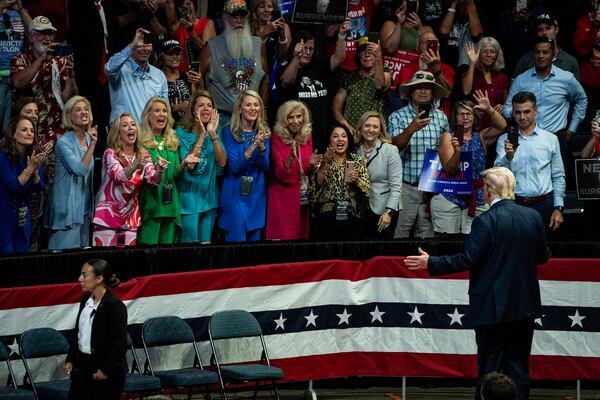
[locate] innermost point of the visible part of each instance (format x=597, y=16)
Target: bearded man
x=234, y=61
x=47, y=77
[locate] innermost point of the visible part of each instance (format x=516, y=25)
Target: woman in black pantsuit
x=96, y=362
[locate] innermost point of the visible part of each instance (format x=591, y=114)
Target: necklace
x=129, y=158
x=368, y=152
x=160, y=145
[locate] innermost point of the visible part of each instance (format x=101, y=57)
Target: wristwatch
x=560, y=208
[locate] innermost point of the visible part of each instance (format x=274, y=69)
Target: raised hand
x=375, y=50
x=93, y=132
x=161, y=164
x=328, y=156
x=483, y=101
x=315, y=158
x=509, y=150
x=418, y=123
x=35, y=160
x=47, y=148
x=195, y=77
x=345, y=27
x=299, y=48
x=455, y=144
x=401, y=13
x=213, y=122
x=472, y=53
x=413, y=21
x=138, y=39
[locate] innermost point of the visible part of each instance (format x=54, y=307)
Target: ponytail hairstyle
x=102, y=268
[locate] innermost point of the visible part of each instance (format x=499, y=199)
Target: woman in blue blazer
x=71, y=205
x=20, y=176
x=244, y=196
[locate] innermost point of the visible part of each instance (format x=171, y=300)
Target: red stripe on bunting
x=422, y=365
x=269, y=275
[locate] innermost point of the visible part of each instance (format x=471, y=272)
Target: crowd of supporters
x=230, y=121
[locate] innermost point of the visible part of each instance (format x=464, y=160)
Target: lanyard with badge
x=303, y=178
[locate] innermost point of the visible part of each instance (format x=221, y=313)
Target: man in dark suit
x=506, y=244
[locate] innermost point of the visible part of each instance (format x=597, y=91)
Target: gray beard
x=239, y=42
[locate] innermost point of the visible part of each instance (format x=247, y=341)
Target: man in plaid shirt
x=414, y=131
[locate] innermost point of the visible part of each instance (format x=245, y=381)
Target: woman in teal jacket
x=198, y=191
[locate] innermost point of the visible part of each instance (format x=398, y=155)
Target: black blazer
x=502, y=252
x=109, y=336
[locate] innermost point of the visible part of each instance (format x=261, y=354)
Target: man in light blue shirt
x=132, y=81
x=555, y=90
x=535, y=162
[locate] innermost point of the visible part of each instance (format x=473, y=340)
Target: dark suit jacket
x=87, y=37
x=109, y=336
x=502, y=252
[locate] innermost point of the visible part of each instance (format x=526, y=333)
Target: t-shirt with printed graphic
x=229, y=76
x=360, y=13
x=310, y=87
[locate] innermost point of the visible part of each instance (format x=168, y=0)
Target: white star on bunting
x=279, y=322
x=377, y=315
x=576, y=319
x=539, y=320
x=416, y=316
x=14, y=347
x=311, y=319
x=344, y=317
x=456, y=317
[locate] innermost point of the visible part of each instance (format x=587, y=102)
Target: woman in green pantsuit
x=160, y=207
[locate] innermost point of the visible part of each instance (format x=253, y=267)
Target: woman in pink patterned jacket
x=125, y=165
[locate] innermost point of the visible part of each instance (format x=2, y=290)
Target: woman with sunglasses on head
x=20, y=175
x=125, y=166
x=453, y=214
x=96, y=362
x=244, y=198
x=339, y=190
x=200, y=136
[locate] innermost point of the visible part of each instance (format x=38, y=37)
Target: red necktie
x=102, y=78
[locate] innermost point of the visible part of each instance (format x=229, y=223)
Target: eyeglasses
x=424, y=75
x=464, y=115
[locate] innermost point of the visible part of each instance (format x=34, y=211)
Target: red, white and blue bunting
x=336, y=318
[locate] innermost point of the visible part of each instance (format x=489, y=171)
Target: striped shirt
x=426, y=138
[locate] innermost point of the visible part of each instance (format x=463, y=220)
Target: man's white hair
x=501, y=182
x=239, y=41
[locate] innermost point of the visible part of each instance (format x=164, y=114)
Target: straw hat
x=419, y=78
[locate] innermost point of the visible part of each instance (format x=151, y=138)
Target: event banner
x=336, y=318
x=320, y=11
x=587, y=178
x=434, y=179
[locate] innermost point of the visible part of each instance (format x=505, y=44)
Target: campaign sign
x=587, y=178
x=320, y=11
x=433, y=177
x=286, y=7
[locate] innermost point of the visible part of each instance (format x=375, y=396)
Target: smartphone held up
x=349, y=169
